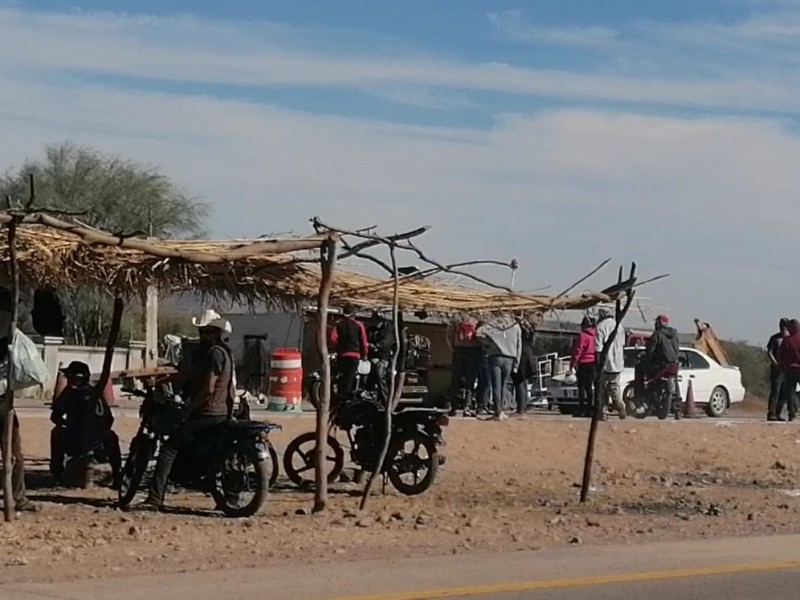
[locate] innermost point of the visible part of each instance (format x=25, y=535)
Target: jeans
x=188, y=433
x=108, y=450
x=18, y=470
x=347, y=368
x=484, y=389
x=500, y=368
x=585, y=376
x=789, y=395
x=380, y=379
x=777, y=391
x=610, y=393
x=521, y=394
x=464, y=374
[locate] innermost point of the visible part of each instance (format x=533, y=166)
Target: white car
x=714, y=387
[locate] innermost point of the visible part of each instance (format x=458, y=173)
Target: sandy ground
x=506, y=486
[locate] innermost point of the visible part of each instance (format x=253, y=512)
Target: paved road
x=751, y=568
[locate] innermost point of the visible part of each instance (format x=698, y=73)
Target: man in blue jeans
x=503, y=345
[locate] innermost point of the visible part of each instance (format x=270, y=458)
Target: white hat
x=206, y=318
x=221, y=324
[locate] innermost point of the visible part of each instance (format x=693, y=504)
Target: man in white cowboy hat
x=210, y=400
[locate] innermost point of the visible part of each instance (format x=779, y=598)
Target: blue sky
x=559, y=132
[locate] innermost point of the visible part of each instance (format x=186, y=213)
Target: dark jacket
x=349, y=337
x=381, y=337
x=663, y=347
x=85, y=419
x=789, y=352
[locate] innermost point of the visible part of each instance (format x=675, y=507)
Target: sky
x=556, y=132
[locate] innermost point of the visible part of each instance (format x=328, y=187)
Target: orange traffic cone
x=108, y=393
x=688, y=406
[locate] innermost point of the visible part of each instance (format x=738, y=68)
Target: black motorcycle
x=234, y=462
x=413, y=458
x=653, y=395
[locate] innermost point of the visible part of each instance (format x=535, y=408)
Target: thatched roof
x=60, y=254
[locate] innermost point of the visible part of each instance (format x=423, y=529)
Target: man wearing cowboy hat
x=210, y=399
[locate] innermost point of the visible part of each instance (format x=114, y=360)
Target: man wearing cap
x=662, y=353
x=349, y=338
x=83, y=424
x=209, y=402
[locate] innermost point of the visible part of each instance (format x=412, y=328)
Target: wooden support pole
x=10, y=413
x=329, y=249
x=111, y=344
x=390, y=401
x=620, y=314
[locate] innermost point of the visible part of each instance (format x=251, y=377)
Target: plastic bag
x=29, y=368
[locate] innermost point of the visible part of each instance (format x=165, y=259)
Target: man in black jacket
x=661, y=355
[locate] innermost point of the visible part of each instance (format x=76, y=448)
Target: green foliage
x=111, y=193
x=754, y=365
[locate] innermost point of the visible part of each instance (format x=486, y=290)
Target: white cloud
x=513, y=24
x=183, y=49
x=560, y=190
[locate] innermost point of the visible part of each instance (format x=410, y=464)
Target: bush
x=754, y=365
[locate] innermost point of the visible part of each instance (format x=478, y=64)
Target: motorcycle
x=412, y=460
x=653, y=395
x=234, y=460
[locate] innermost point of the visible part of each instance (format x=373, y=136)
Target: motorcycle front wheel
x=410, y=453
x=140, y=454
x=299, y=459
x=240, y=482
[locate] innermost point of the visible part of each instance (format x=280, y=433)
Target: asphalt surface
x=748, y=568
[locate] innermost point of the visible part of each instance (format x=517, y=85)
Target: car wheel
x=717, y=403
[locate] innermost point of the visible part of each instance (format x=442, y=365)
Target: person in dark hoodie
x=789, y=363
x=777, y=391
x=661, y=352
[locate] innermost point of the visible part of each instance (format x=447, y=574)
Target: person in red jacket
x=582, y=363
x=789, y=363
x=349, y=338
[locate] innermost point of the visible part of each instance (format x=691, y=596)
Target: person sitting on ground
x=582, y=364
x=83, y=424
x=349, y=338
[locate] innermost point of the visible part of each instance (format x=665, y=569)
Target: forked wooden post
x=329, y=249
x=390, y=401
x=620, y=313
x=111, y=344
x=10, y=416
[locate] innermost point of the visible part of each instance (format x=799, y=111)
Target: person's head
x=662, y=321
x=214, y=332
x=77, y=373
x=783, y=325
x=604, y=313
x=793, y=327
x=587, y=323
x=349, y=311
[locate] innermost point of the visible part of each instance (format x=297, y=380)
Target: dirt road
x=714, y=570
x=507, y=486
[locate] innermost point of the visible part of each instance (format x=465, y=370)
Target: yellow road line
x=554, y=584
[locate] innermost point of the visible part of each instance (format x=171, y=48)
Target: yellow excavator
x=708, y=342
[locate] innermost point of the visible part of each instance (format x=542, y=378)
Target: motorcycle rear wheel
x=141, y=452
x=227, y=479
x=399, y=462
x=299, y=459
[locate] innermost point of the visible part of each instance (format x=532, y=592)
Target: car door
x=685, y=374
x=701, y=375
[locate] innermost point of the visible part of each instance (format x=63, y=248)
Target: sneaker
x=772, y=418
x=501, y=417
x=26, y=506
x=780, y=419
x=149, y=505
x=469, y=413
x=483, y=412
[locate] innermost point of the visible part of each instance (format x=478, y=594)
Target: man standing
x=776, y=388
x=582, y=364
x=611, y=369
x=210, y=401
x=349, y=338
x=21, y=502
x=526, y=370
x=504, y=351
x=466, y=358
x=789, y=363
x=381, y=338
